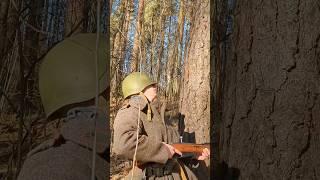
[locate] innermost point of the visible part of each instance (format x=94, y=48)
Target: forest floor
x=119, y=168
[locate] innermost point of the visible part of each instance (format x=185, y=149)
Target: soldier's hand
x=205, y=154
x=172, y=150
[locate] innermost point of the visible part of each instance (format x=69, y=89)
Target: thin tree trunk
x=116, y=50
x=135, y=55
x=4, y=6
x=129, y=7
x=123, y=45
x=167, y=71
x=143, y=52
x=74, y=15
x=174, y=60
x=8, y=27
x=163, y=27
x=120, y=47
x=27, y=54
x=31, y=40
x=181, y=30
x=43, y=46
x=84, y=16
x=110, y=5
x=22, y=105
x=153, y=39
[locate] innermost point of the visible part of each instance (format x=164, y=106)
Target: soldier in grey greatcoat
x=67, y=89
x=156, y=158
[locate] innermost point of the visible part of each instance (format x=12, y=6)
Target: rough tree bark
x=195, y=104
x=195, y=97
x=271, y=111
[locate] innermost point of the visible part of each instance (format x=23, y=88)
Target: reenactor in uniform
x=67, y=84
x=156, y=157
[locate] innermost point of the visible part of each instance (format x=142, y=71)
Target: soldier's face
x=151, y=92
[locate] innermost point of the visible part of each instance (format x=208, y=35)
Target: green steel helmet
x=135, y=82
x=67, y=74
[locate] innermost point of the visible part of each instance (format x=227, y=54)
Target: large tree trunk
x=195, y=103
x=271, y=111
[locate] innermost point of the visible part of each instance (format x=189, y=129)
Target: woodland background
x=170, y=41
x=263, y=77
x=28, y=30
x=151, y=36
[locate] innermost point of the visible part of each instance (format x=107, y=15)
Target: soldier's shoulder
x=125, y=106
x=127, y=109
x=130, y=105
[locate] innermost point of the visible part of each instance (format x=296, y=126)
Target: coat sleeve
x=125, y=136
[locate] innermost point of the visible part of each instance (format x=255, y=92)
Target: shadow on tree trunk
x=224, y=172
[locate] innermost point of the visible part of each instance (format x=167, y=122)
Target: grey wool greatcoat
x=71, y=158
x=151, y=135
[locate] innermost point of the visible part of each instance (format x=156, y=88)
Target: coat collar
x=79, y=127
x=138, y=100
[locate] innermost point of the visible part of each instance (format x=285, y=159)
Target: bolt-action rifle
x=191, y=148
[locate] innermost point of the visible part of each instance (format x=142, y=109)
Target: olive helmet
x=135, y=83
x=67, y=74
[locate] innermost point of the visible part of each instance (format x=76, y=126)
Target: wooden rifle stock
x=191, y=148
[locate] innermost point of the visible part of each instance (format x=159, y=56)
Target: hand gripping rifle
x=188, y=148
